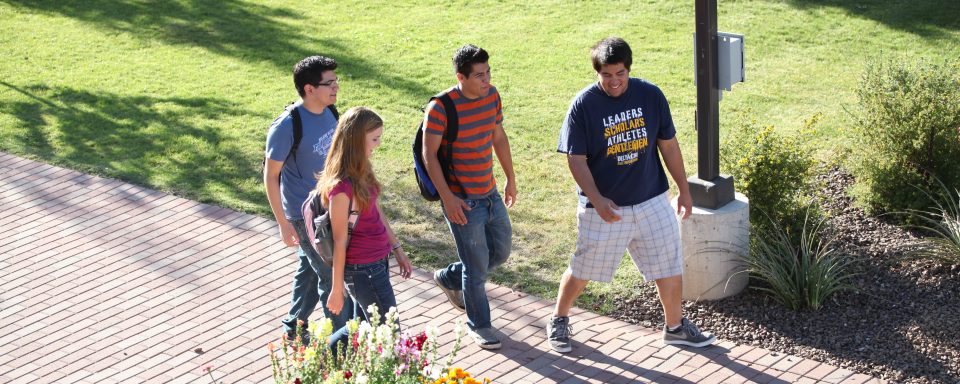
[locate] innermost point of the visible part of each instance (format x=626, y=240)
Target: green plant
x=942, y=225
x=773, y=171
x=799, y=273
x=378, y=354
x=910, y=127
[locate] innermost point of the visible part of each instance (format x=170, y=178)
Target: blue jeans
x=482, y=244
x=367, y=284
x=311, y=285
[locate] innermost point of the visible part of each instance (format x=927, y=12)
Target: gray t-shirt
x=299, y=173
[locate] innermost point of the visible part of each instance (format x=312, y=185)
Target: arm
x=501, y=145
x=452, y=205
x=339, y=216
x=396, y=248
x=271, y=180
x=670, y=149
x=581, y=174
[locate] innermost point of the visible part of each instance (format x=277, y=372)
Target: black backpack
x=445, y=155
x=297, y=133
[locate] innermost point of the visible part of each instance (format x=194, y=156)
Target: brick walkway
x=103, y=281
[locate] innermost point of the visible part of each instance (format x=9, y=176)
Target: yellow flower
x=310, y=354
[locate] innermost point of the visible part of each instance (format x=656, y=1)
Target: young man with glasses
x=613, y=136
x=475, y=211
x=289, y=176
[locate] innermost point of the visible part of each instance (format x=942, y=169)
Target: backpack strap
x=334, y=111
x=450, y=133
x=453, y=121
x=297, y=130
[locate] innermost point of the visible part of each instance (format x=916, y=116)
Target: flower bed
x=378, y=354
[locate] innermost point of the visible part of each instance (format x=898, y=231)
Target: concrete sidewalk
x=103, y=281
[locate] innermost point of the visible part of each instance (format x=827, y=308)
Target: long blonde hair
x=347, y=157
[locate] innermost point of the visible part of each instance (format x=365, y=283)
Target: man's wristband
x=396, y=246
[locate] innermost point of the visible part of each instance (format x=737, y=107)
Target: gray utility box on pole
x=729, y=60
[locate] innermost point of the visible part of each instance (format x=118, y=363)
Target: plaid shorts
x=649, y=231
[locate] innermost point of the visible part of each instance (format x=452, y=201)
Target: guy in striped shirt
x=474, y=210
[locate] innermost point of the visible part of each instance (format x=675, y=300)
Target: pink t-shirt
x=369, y=241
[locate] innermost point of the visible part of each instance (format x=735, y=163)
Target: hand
x=607, y=210
x=684, y=206
x=454, y=207
x=335, y=301
x=403, y=262
x=288, y=234
x=510, y=194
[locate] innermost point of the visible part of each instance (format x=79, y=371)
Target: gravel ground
x=901, y=324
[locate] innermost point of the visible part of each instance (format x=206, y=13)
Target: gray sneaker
x=688, y=334
x=485, y=338
x=558, y=333
x=454, y=296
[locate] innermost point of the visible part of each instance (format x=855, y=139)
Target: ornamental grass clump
x=378, y=354
x=941, y=227
x=800, y=272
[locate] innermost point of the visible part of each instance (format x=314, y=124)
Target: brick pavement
x=104, y=281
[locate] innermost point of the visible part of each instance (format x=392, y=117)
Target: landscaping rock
x=901, y=323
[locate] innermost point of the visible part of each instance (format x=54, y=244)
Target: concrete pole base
x=714, y=243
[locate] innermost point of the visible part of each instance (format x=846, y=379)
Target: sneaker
x=485, y=338
x=454, y=296
x=304, y=338
x=688, y=334
x=558, y=333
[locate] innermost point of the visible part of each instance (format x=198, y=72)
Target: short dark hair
x=310, y=71
x=612, y=50
x=467, y=56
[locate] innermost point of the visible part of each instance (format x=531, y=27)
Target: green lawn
x=177, y=95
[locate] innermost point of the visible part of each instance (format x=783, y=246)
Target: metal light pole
x=709, y=189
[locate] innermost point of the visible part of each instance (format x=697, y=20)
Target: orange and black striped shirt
x=472, y=175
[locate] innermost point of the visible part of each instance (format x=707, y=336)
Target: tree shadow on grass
x=926, y=18
x=251, y=32
x=168, y=142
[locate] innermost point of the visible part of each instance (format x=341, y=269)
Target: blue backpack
x=444, y=155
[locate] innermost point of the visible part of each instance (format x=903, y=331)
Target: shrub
x=909, y=127
x=942, y=225
x=773, y=171
x=799, y=274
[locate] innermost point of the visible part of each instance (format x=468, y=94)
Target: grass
x=177, y=95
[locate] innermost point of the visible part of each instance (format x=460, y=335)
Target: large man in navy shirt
x=613, y=135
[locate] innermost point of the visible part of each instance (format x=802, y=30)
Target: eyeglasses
x=330, y=83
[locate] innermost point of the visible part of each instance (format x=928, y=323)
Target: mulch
x=900, y=323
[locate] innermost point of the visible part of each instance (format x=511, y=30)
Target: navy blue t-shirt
x=618, y=135
x=299, y=173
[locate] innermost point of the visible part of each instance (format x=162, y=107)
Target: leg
x=670, y=290
x=600, y=247
x=570, y=289
x=370, y=284
x=656, y=251
x=475, y=261
x=304, y=296
x=367, y=284
x=324, y=278
x=499, y=232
